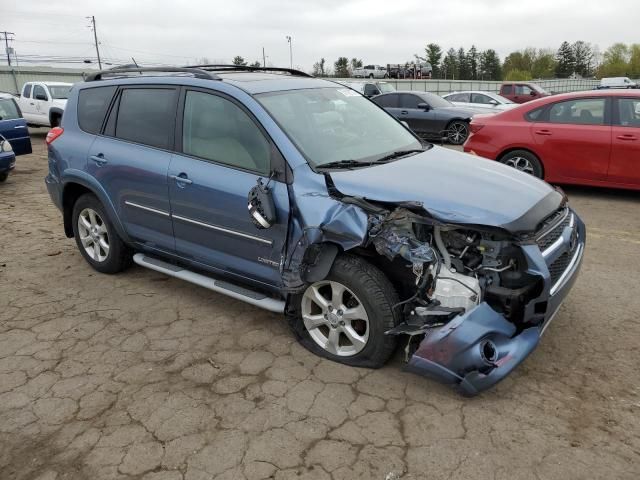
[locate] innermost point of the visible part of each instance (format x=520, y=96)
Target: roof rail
x=196, y=72
x=247, y=68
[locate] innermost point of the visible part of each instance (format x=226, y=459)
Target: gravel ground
x=138, y=376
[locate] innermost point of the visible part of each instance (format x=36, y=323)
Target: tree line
x=571, y=60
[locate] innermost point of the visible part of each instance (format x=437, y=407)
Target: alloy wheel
x=93, y=235
x=520, y=163
x=335, y=318
x=457, y=133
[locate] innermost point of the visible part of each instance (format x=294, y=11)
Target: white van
x=618, y=82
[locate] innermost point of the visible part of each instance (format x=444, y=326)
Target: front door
x=223, y=154
x=131, y=161
x=625, y=152
x=574, y=138
x=41, y=101
x=13, y=127
x=423, y=122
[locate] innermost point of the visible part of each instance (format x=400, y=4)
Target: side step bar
x=234, y=291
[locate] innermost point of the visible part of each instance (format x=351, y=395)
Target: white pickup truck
x=371, y=71
x=42, y=103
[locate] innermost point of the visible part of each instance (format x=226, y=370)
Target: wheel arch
x=77, y=186
x=525, y=149
x=55, y=113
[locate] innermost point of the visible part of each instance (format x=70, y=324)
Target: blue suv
x=301, y=196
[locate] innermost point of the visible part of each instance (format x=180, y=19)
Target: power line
x=95, y=37
x=6, y=44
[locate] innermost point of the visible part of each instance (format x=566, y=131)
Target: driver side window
x=480, y=98
x=216, y=129
x=410, y=101
x=38, y=90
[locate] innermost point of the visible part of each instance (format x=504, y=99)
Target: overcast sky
x=378, y=31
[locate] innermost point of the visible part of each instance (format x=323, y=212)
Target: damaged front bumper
x=476, y=350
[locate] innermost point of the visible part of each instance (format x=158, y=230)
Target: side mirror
x=40, y=96
x=493, y=102
x=261, y=206
x=424, y=106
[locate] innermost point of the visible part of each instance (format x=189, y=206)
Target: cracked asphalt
x=138, y=376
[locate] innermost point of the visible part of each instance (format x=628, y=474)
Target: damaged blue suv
x=301, y=196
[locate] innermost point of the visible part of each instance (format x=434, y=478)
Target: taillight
x=475, y=127
x=53, y=134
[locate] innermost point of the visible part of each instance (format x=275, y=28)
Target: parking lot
x=141, y=376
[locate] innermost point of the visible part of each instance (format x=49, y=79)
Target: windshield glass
x=435, y=101
x=386, y=87
x=333, y=124
x=8, y=109
x=60, y=92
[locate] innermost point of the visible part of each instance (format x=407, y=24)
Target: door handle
x=31, y=103
x=19, y=126
x=98, y=159
x=543, y=132
x=181, y=179
x=404, y=112
x=627, y=137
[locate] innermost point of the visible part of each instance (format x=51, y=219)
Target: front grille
x=557, y=268
x=552, y=228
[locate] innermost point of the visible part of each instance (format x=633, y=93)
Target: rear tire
x=338, y=330
x=3, y=177
x=524, y=161
x=97, y=238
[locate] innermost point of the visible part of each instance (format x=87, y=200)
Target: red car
x=522, y=92
x=585, y=138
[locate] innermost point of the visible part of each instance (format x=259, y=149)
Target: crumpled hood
x=456, y=188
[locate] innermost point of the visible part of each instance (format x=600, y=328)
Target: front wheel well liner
x=513, y=149
x=70, y=194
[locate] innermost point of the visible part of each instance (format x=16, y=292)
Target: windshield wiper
x=398, y=154
x=343, y=164
x=357, y=163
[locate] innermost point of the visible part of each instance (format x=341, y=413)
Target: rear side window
x=26, y=93
x=387, y=101
x=216, y=129
x=507, y=89
x=458, y=97
x=8, y=109
x=92, y=107
x=145, y=116
x=585, y=111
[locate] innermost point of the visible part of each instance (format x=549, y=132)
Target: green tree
x=464, y=72
x=450, y=65
x=544, y=64
x=341, y=67
x=256, y=64
x=238, y=60
x=634, y=60
x=473, y=60
x=566, y=61
x=517, y=75
x=583, y=55
x=489, y=66
x=615, y=61
x=433, y=54
x=353, y=64
x=318, y=68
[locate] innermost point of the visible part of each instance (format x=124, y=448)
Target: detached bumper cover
x=478, y=349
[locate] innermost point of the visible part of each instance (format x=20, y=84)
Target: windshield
x=8, y=109
x=386, y=87
x=435, y=101
x=334, y=124
x=501, y=99
x=60, y=92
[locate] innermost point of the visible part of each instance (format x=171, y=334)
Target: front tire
x=97, y=238
x=457, y=132
x=344, y=317
x=3, y=177
x=524, y=161
x=371, y=75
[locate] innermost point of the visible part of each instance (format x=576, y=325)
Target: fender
x=82, y=178
x=55, y=111
x=319, y=259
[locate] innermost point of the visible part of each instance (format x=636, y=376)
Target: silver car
x=477, y=98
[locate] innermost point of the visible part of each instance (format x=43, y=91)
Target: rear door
x=625, y=151
x=13, y=127
x=131, y=161
x=574, y=138
x=27, y=104
x=223, y=153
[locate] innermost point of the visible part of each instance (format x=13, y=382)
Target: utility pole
x=264, y=59
x=288, y=37
x=6, y=45
x=95, y=39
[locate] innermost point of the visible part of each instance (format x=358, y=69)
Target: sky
x=376, y=31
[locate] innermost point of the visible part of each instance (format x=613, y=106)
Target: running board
x=225, y=288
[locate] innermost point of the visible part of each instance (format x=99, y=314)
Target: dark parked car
x=522, y=92
x=12, y=126
x=301, y=196
x=430, y=116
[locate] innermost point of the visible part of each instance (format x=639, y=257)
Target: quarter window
x=27, y=91
x=585, y=111
x=629, y=112
x=144, y=116
x=92, y=107
x=216, y=129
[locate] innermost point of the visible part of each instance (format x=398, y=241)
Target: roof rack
x=247, y=68
x=196, y=72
